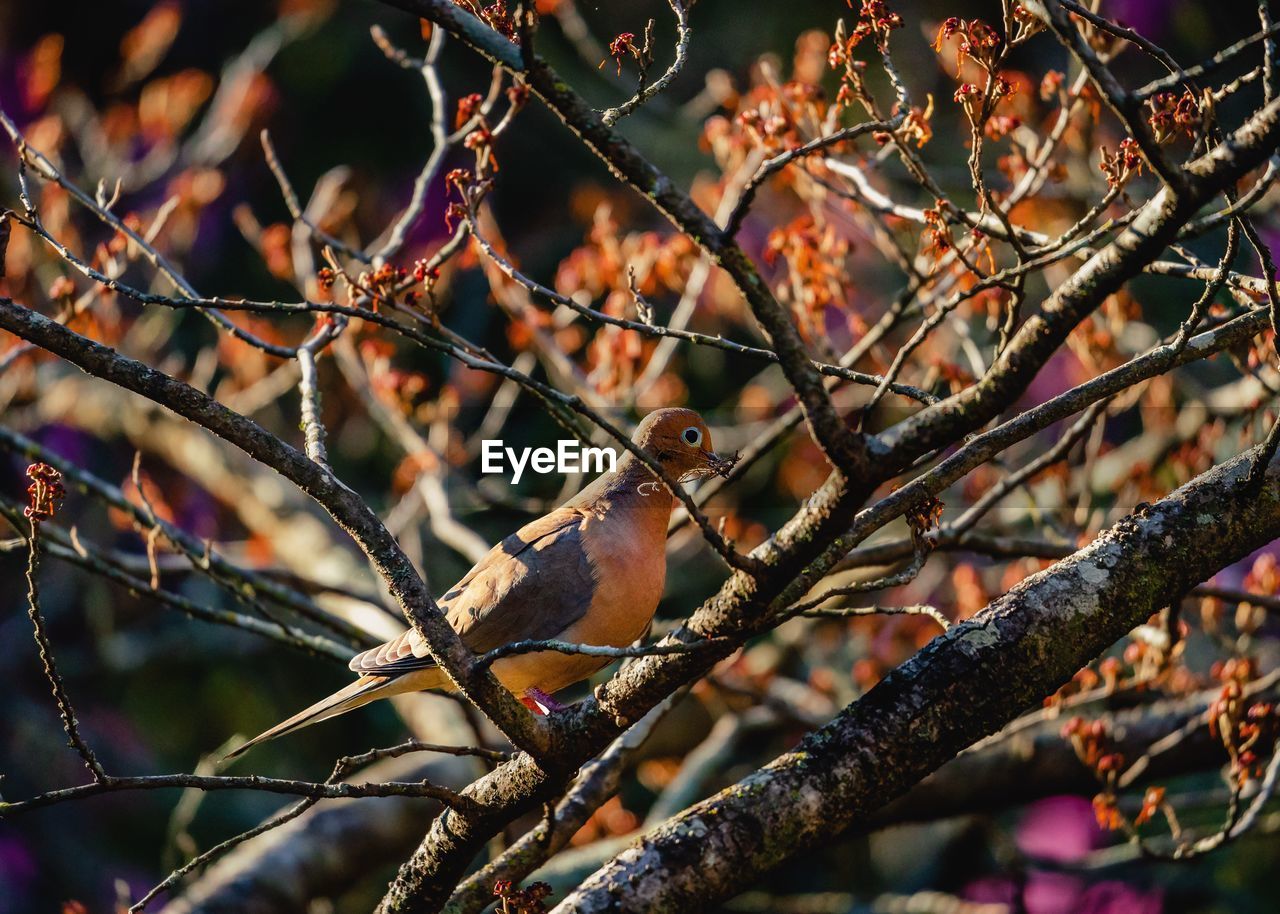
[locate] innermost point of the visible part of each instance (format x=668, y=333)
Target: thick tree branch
x=963, y=686
x=802, y=551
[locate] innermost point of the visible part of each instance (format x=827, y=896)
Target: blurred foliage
x=156, y=692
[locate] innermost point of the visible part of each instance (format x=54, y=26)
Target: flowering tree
x=1002, y=419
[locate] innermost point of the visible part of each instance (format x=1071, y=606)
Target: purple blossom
x=1053, y=893
x=1150, y=18
x=18, y=872
x=1233, y=575
x=1061, y=829
x=1062, y=893
x=70, y=443
x=1120, y=898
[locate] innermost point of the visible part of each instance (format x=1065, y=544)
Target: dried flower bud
x=44, y=492
x=621, y=46
x=62, y=287
x=1106, y=812
x=459, y=179
x=1151, y=802
x=468, y=105
x=1123, y=165
x=518, y=95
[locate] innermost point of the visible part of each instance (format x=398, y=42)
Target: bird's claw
x=540, y=703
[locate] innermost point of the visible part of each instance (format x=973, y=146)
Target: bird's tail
x=361, y=692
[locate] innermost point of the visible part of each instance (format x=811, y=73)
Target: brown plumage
x=590, y=572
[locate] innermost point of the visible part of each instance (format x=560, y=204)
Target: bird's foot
x=540, y=703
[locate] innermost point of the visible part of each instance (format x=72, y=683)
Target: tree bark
x=804, y=549
x=965, y=685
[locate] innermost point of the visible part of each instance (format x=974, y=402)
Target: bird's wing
x=533, y=585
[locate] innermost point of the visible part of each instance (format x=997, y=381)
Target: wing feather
x=532, y=585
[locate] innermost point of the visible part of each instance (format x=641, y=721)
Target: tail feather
x=361, y=692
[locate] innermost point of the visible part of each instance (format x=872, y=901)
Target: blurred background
x=157, y=692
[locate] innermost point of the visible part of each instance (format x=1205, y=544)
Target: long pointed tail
x=361, y=692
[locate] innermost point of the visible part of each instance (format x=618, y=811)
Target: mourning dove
x=590, y=572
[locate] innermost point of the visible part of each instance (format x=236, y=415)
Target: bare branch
x=344, y=505
x=611, y=116
x=996, y=661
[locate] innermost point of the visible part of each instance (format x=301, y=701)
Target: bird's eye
x=692, y=435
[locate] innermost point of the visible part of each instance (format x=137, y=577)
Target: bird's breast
x=626, y=547
x=630, y=562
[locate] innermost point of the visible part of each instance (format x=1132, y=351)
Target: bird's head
x=680, y=441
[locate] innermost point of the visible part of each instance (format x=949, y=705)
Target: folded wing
x=532, y=585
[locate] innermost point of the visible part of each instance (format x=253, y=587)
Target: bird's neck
x=632, y=486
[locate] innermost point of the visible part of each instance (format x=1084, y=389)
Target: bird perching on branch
x=590, y=572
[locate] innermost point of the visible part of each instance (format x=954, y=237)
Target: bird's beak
x=721, y=465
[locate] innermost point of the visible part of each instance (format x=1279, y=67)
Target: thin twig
x=661, y=649
x=65, y=710
x=611, y=116
x=289, y=787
